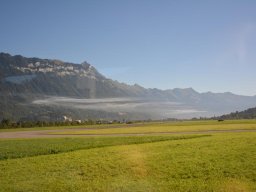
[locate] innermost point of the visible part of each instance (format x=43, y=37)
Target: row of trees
x=7, y=123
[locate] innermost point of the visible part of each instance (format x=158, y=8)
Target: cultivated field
x=173, y=127
x=206, y=161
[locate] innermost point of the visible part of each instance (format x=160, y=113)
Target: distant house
x=65, y=118
x=78, y=121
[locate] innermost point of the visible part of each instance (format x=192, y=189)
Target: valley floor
x=166, y=128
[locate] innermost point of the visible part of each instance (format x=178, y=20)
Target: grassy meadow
x=20, y=148
x=183, y=126
x=222, y=162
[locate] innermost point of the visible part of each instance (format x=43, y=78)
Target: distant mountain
x=34, y=88
x=52, y=77
x=246, y=114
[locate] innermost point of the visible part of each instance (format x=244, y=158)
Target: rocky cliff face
x=54, y=77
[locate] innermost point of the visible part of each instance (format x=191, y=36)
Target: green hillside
x=246, y=114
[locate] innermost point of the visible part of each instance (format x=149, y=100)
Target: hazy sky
x=209, y=45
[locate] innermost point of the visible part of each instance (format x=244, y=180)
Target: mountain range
x=47, y=89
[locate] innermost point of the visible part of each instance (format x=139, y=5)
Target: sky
x=209, y=45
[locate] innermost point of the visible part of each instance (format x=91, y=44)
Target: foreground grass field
x=19, y=148
x=221, y=162
x=217, y=162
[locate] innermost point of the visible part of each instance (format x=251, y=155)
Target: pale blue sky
x=209, y=45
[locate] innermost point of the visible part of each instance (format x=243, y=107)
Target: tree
x=5, y=123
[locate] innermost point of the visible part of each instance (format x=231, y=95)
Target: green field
x=20, y=148
x=185, y=126
x=60, y=127
x=222, y=162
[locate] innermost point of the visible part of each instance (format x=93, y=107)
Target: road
x=54, y=133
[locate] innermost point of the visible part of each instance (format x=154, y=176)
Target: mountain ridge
x=24, y=80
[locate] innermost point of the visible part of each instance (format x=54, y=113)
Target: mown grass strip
x=158, y=128
x=20, y=148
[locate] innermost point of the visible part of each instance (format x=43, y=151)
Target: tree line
x=7, y=123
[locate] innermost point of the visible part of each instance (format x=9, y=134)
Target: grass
x=59, y=127
x=19, y=148
x=169, y=127
x=222, y=162
x=143, y=124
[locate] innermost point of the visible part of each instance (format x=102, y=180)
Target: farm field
x=147, y=125
x=152, y=128
x=59, y=127
x=188, y=126
x=202, y=162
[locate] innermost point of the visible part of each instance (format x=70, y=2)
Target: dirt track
x=45, y=133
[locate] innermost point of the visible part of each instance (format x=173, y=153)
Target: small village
x=57, y=67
